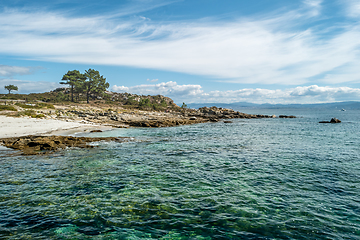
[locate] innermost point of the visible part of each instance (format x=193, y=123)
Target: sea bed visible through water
x=250, y=179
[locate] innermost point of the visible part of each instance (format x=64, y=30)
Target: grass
x=7, y=108
x=36, y=106
x=30, y=113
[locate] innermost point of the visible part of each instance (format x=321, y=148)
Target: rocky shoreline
x=155, y=119
x=39, y=145
x=32, y=145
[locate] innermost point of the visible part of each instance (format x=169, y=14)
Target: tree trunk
x=72, y=93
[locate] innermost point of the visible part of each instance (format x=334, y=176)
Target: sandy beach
x=16, y=127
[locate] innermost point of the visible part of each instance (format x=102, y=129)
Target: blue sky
x=279, y=51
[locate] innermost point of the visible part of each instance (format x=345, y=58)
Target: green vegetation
x=7, y=108
x=74, y=79
x=90, y=87
x=36, y=106
x=91, y=83
x=30, y=113
x=94, y=84
x=184, y=105
x=11, y=88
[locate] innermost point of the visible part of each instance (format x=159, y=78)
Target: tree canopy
x=94, y=83
x=74, y=79
x=91, y=83
x=11, y=88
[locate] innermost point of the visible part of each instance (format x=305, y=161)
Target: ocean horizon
x=270, y=178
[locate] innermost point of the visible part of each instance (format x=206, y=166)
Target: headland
x=25, y=121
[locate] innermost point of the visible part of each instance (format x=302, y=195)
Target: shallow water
x=251, y=179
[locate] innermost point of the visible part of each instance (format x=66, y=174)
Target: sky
x=194, y=51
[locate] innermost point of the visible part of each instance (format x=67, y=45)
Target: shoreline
x=63, y=118
x=22, y=126
x=55, y=130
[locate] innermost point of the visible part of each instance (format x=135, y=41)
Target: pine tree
x=11, y=88
x=73, y=79
x=94, y=84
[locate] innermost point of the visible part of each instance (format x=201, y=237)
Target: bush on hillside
x=7, y=108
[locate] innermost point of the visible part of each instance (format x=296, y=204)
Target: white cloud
x=194, y=94
x=152, y=80
x=272, y=50
x=9, y=71
x=353, y=8
x=171, y=89
x=314, y=6
x=29, y=86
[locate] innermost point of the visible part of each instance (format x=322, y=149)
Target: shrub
x=30, y=113
x=38, y=116
x=36, y=106
x=7, y=108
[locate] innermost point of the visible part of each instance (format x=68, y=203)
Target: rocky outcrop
x=285, y=116
x=214, y=114
x=123, y=118
x=333, y=120
x=138, y=118
x=34, y=145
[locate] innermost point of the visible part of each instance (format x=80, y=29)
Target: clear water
x=252, y=179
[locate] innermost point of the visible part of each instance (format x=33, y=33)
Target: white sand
x=15, y=127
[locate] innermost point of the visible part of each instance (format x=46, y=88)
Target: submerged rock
x=95, y=131
x=34, y=145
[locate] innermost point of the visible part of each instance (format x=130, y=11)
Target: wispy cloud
x=275, y=49
x=194, y=93
x=169, y=89
x=29, y=86
x=152, y=80
x=353, y=8
x=314, y=6
x=9, y=71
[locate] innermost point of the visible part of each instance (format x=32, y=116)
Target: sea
x=250, y=179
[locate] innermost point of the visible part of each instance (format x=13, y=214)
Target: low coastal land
x=47, y=127
x=18, y=132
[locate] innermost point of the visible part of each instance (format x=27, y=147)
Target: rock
x=192, y=118
x=34, y=145
x=145, y=124
x=95, y=131
x=213, y=120
x=333, y=120
x=285, y=116
x=227, y=121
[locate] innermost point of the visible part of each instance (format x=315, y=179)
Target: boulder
x=33, y=145
x=333, y=120
x=285, y=116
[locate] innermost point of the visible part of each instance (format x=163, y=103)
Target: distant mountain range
x=241, y=105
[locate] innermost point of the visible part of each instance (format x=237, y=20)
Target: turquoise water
x=251, y=179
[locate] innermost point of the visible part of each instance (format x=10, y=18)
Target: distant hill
x=245, y=105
